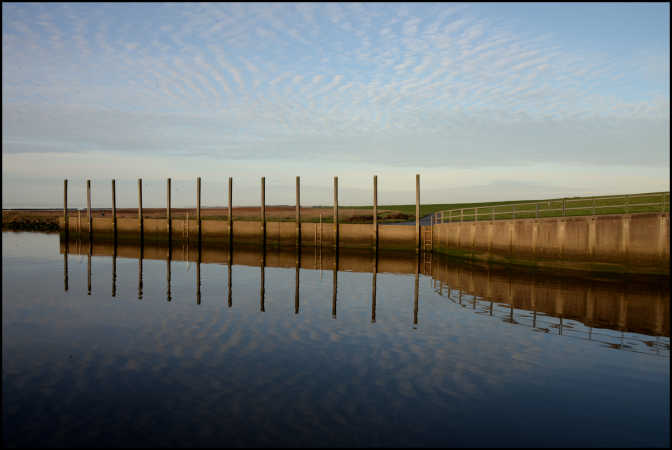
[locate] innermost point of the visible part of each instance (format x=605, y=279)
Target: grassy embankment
x=47, y=220
x=575, y=206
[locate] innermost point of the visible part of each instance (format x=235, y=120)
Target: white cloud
x=425, y=77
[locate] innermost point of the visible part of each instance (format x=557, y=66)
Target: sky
x=486, y=101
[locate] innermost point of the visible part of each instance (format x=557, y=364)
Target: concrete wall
x=249, y=232
x=637, y=240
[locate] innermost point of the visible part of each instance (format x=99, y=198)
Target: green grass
x=574, y=206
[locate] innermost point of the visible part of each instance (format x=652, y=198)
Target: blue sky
x=487, y=101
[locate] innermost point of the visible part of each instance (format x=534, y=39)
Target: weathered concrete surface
x=250, y=232
x=637, y=242
x=631, y=303
x=621, y=243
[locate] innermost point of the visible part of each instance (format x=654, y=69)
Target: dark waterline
x=100, y=349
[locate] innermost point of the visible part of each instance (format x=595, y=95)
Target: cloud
x=239, y=81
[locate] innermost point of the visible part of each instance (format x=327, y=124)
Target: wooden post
x=375, y=213
x=114, y=207
x=298, y=212
x=417, y=213
x=140, y=206
x=198, y=206
x=65, y=206
x=169, y=217
x=88, y=204
x=263, y=209
x=336, y=212
x=230, y=209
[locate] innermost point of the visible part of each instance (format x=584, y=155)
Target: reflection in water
x=515, y=349
x=335, y=285
x=373, y=287
x=88, y=264
x=262, y=280
x=198, y=273
x=542, y=302
x=229, y=261
x=168, y=268
x=114, y=267
x=140, y=257
x=65, y=266
x=296, y=281
x=416, y=287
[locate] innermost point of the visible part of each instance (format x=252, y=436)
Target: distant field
x=46, y=220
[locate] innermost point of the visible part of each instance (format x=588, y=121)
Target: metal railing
x=584, y=206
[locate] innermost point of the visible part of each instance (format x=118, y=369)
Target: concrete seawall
x=638, y=243
x=282, y=234
x=627, y=242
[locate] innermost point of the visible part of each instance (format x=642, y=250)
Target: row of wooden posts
x=230, y=215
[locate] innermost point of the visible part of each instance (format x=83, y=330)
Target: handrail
x=613, y=204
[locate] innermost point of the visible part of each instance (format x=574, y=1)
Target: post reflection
x=198, y=273
x=65, y=265
x=373, y=287
x=140, y=257
x=230, y=261
x=335, y=285
x=262, y=280
x=533, y=300
x=88, y=265
x=548, y=302
x=114, y=267
x=168, y=266
x=416, y=289
x=560, y=309
x=296, y=280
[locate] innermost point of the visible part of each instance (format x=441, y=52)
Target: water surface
x=141, y=346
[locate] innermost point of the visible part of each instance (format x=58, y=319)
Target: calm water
x=130, y=350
